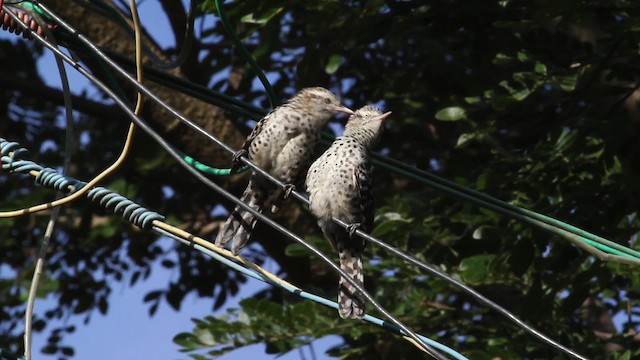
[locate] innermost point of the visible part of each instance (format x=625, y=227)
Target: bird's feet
x=352, y=228
x=236, y=162
x=287, y=190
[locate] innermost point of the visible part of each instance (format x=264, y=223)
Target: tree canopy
x=534, y=102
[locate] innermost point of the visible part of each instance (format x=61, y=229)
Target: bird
x=339, y=185
x=283, y=144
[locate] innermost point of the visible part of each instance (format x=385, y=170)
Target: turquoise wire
x=541, y=221
x=29, y=4
x=208, y=169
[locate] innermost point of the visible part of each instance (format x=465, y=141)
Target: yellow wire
x=125, y=150
x=138, y=40
x=222, y=251
x=75, y=195
x=415, y=343
x=229, y=255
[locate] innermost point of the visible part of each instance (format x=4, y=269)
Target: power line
x=300, y=195
x=195, y=172
x=226, y=147
x=69, y=136
x=245, y=53
x=14, y=160
x=598, y=246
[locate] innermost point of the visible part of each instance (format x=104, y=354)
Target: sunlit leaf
x=333, y=63
x=453, y=113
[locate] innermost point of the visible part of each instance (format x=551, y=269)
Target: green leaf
x=205, y=337
x=386, y=227
x=501, y=59
x=453, y=113
x=540, y=68
x=481, y=181
x=333, y=64
x=479, y=232
x=475, y=269
x=464, y=138
x=625, y=356
x=472, y=100
x=568, y=83
x=566, y=139
x=295, y=250
x=261, y=19
x=388, y=222
x=497, y=341
x=185, y=340
x=391, y=216
x=522, y=56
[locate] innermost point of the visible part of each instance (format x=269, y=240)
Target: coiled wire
x=9, y=24
x=136, y=214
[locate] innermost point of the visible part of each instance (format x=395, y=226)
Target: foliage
x=534, y=102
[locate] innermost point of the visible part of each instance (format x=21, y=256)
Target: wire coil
x=9, y=24
x=50, y=178
x=134, y=213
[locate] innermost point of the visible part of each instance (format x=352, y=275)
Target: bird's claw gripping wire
x=352, y=228
x=287, y=189
x=236, y=159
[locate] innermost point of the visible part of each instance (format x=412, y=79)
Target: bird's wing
x=363, y=199
x=256, y=130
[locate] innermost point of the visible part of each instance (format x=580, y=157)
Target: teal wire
x=191, y=161
x=245, y=53
x=208, y=169
x=544, y=222
x=258, y=276
x=30, y=5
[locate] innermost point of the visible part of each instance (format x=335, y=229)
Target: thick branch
x=54, y=95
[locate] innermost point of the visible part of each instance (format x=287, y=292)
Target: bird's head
x=367, y=117
x=366, y=123
x=321, y=101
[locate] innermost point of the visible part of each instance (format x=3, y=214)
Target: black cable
x=200, y=176
x=187, y=42
x=200, y=92
x=114, y=14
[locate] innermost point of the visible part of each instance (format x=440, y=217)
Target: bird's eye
x=327, y=101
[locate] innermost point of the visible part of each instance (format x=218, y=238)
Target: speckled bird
x=282, y=143
x=339, y=185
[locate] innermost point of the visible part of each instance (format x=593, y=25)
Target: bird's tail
x=240, y=222
x=350, y=300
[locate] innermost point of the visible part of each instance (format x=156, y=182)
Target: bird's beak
x=344, y=109
x=383, y=116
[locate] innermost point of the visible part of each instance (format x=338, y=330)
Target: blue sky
x=127, y=331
